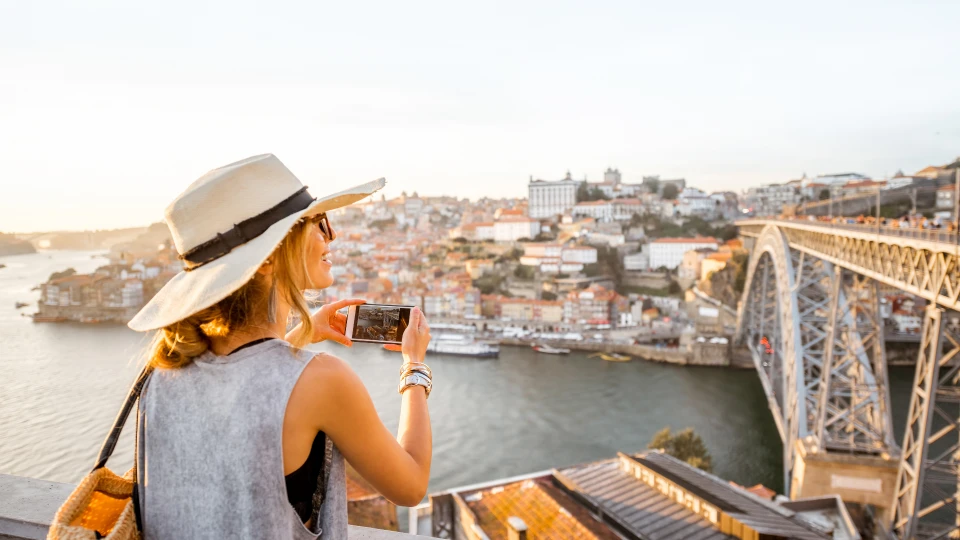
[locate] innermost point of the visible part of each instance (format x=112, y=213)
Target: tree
x=653, y=185
x=670, y=192
x=548, y=295
x=674, y=288
x=686, y=446
x=582, y=192
x=525, y=272
x=824, y=194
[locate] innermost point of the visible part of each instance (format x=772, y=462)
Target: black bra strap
x=111, y=441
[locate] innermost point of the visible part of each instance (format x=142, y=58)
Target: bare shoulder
x=326, y=383
x=324, y=371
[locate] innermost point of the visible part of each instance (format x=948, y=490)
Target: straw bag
x=104, y=505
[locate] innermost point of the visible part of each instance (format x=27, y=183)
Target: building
x=689, y=270
x=770, y=199
x=548, y=199
x=556, y=258
x=513, y=228
x=579, y=254
x=636, y=261
x=668, y=252
x=861, y=187
x=525, y=309
x=695, y=203
x=631, y=497
x=727, y=204
x=945, y=196
x=714, y=263
x=606, y=211
x=839, y=179
x=598, y=210
x=594, y=305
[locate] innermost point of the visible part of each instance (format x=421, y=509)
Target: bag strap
x=110, y=443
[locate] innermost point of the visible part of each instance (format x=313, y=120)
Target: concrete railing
x=27, y=507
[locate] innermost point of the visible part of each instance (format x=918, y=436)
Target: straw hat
x=225, y=225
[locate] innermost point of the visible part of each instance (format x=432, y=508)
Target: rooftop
x=694, y=240
x=546, y=510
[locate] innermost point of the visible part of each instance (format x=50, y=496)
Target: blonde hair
x=175, y=346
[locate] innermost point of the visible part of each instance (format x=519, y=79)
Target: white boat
x=462, y=345
x=546, y=349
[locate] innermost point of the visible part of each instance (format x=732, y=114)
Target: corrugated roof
x=635, y=506
x=763, y=516
x=646, y=512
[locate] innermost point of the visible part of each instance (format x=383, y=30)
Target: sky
x=109, y=109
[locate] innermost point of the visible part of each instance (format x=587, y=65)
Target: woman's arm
x=330, y=397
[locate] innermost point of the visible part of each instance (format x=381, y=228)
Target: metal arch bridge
x=810, y=316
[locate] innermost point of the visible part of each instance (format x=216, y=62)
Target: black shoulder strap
x=111, y=441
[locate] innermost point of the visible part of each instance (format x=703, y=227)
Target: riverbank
x=696, y=354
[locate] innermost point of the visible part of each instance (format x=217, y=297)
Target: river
x=61, y=385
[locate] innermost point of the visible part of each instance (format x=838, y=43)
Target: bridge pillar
x=856, y=478
x=927, y=495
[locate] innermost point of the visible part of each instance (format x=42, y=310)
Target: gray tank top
x=210, y=450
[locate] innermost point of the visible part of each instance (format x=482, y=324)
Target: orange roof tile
x=547, y=511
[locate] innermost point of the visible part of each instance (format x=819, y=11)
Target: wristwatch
x=415, y=379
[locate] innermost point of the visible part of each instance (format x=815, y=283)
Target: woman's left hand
x=328, y=323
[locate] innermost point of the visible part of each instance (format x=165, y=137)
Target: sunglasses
x=324, y=223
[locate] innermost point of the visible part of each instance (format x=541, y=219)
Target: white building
x=835, y=179
x=547, y=199
x=770, y=199
x=595, y=238
x=579, y=254
x=668, y=252
x=613, y=210
x=557, y=258
x=693, y=202
x=513, y=228
x=598, y=210
x=636, y=261
x=624, y=209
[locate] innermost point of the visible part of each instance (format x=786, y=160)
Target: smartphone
x=378, y=323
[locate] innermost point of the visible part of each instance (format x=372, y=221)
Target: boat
x=546, y=349
x=612, y=357
x=46, y=318
x=462, y=345
x=19, y=305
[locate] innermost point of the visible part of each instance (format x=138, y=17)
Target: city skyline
x=110, y=111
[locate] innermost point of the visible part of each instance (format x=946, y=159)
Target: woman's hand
x=328, y=323
x=415, y=338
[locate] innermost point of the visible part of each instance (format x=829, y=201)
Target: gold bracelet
x=419, y=366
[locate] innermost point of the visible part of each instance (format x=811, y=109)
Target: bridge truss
x=810, y=316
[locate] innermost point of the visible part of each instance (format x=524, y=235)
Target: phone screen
x=381, y=323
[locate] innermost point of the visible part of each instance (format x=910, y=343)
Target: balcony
x=27, y=506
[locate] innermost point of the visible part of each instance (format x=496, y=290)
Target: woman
x=235, y=419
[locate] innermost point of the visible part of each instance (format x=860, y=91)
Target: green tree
x=582, y=192
x=824, y=194
x=674, y=288
x=548, y=295
x=653, y=185
x=525, y=272
x=686, y=446
x=670, y=192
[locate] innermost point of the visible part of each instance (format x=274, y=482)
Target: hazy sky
x=109, y=109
